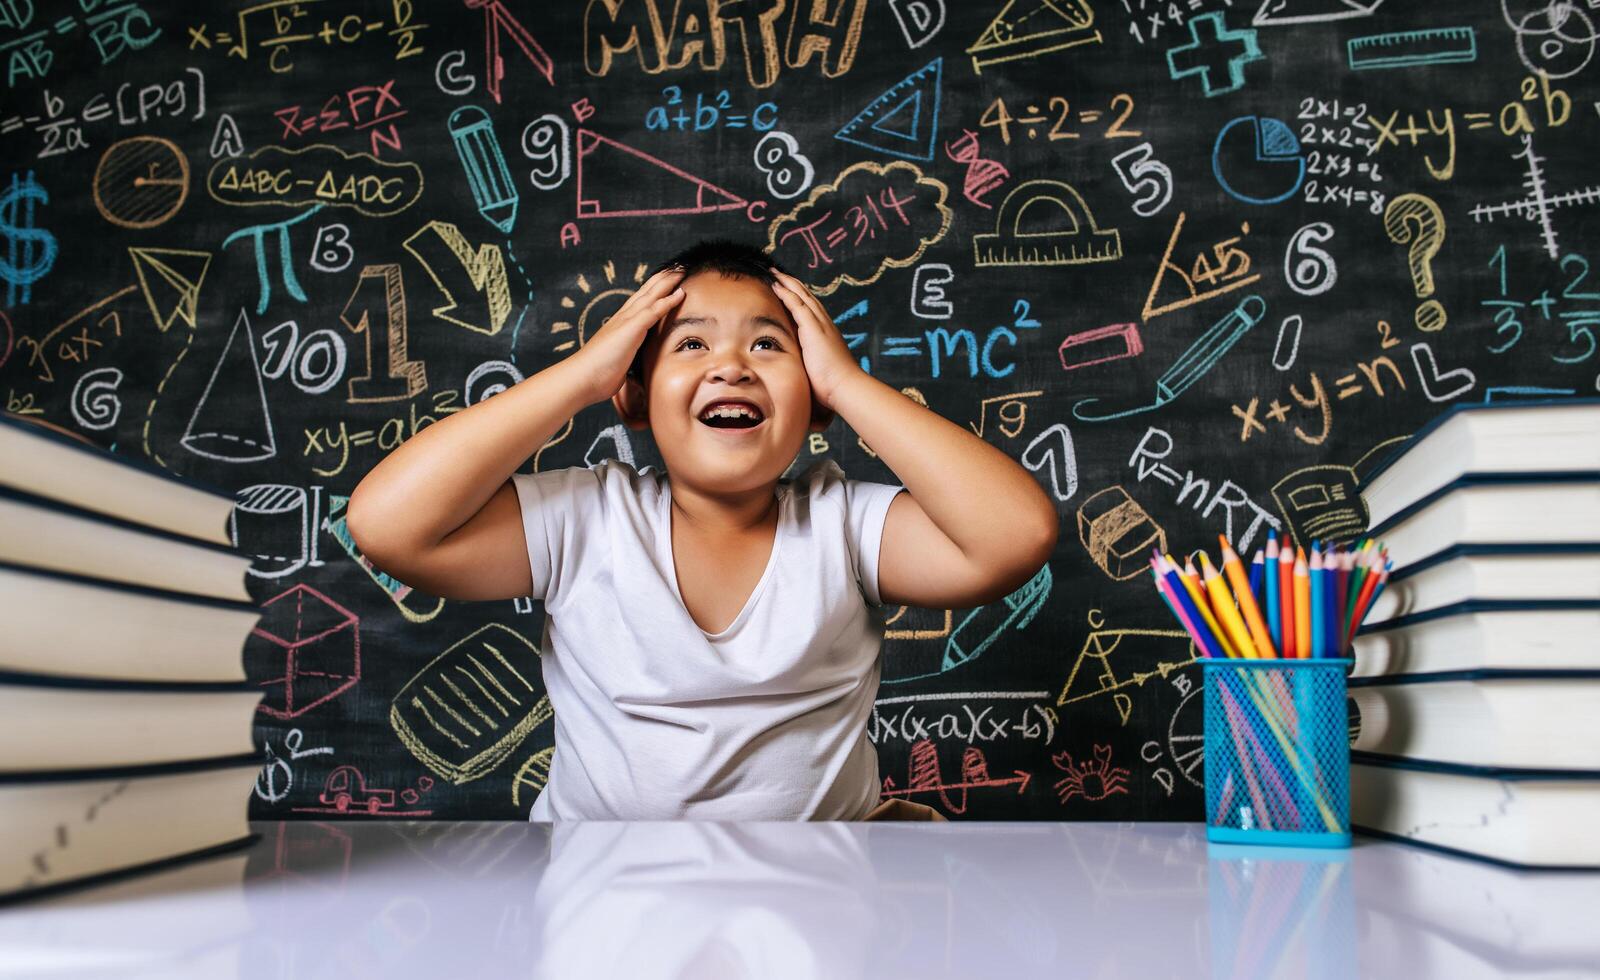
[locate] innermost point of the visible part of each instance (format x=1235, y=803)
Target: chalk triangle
x=895, y=123
x=1274, y=12
x=170, y=279
x=638, y=184
x=904, y=121
x=1028, y=28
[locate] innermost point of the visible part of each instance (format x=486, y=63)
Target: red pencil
x=1364, y=598
x=1377, y=582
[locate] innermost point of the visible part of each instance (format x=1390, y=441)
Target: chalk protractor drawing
x=1045, y=222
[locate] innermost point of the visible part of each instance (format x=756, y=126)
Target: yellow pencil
x=1227, y=615
x=1237, y=578
x=1302, y=605
x=1191, y=583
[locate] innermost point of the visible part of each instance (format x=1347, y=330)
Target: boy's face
x=730, y=338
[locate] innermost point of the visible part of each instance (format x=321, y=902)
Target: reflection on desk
x=701, y=901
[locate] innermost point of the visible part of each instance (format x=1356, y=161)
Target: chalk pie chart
x=1257, y=159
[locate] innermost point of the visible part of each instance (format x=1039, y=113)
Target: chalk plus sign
x=1208, y=53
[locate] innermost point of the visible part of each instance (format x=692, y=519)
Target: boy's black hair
x=723, y=255
x=726, y=256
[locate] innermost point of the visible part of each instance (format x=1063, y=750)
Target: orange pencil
x=1302, y=606
x=1247, y=600
x=1286, y=611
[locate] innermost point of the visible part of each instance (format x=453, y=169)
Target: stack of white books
x=125, y=716
x=1475, y=692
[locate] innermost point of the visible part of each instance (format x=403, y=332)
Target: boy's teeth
x=730, y=411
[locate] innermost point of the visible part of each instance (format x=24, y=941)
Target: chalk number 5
x=1146, y=177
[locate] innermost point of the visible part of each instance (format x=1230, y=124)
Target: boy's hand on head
x=823, y=349
x=609, y=354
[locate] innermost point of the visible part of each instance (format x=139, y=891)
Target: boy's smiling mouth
x=732, y=414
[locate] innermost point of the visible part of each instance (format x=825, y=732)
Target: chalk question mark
x=1416, y=219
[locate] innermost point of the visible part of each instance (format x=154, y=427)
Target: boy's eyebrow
x=757, y=320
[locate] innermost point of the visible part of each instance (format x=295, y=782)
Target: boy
x=712, y=633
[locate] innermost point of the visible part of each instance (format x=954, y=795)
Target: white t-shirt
x=656, y=719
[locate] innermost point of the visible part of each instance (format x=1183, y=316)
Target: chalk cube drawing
x=320, y=644
x=1118, y=533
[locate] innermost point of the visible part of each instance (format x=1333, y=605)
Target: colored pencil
x=1156, y=576
x=1302, y=606
x=1240, y=731
x=1222, y=607
x=1383, y=580
x=1342, y=592
x=1332, y=558
x=1274, y=614
x=1362, y=609
x=1357, y=578
x=1234, y=568
x=1319, y=603
x=1227, y=798
x=1261, y=691
x=1283, y=604
x=1190, y=617
x=1369, y=592
x=1366, y=567
x=1286, y=599
x=1292, y=756
x=1191, y=581
x=1346, y=566
x=1268, y=765
x=1352, y=589
x=1335, y=626
x=1170, y=599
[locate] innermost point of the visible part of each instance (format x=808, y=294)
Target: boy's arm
x=439, y=512
x=974, y=526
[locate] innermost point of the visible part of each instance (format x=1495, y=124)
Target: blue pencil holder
x=1277, y=752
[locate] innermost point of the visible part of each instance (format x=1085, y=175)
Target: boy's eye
x=696, y=340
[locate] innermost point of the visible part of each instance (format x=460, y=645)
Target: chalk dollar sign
x=31, y=251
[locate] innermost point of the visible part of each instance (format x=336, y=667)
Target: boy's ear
x=821, y=417
x=631, y=403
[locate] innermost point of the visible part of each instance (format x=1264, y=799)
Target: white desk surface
x=771, y=901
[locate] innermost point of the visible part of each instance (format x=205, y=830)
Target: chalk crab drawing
x=1091, y=780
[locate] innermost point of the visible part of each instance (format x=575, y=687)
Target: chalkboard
x=1196, y=264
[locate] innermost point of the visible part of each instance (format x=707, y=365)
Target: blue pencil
x=1274, y=615
x=1212, y=647
x=1163, y=592
x=1256, y=580
x=1330, y=593
x=1319, y=604
x=1178, y=614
